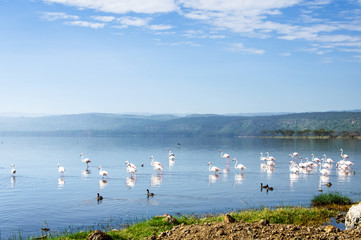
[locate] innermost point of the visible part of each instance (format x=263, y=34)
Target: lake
x=38, y=196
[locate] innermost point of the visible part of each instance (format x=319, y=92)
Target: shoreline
x=281, y=223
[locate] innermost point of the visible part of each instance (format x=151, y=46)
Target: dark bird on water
x=99, y=198
x=149, y=194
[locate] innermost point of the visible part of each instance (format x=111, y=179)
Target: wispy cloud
x=104, y=18
x=52, y=16
x=114, y=6
x=86, y=24
x=239, y=47
x=160, y=27
x=133, y=21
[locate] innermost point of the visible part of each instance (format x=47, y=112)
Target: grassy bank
x=156, y=225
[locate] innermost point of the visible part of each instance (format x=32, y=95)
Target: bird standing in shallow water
x=13, y=170
x=61, y=169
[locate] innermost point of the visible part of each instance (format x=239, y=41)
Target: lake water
x=39, y=196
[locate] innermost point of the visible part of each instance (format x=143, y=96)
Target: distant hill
x=103, y=124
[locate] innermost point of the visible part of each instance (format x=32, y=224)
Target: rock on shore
x=260, y=230
x=353, y=217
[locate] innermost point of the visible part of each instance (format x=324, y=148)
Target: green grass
x=329, y=199
x=156, y=225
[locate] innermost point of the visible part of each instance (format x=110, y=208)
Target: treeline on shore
x=317, y=133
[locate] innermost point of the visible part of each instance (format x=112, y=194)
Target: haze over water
x=38, y=195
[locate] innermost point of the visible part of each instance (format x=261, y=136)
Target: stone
x=98, y=235
x=263, y=222
x=229, y=219
x=331, y=229
x=353, y=217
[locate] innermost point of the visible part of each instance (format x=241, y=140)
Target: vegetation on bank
x=316, y=133
x=156, y=225
x=331, y=200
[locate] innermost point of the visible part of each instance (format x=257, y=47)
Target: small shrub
x=325, y=199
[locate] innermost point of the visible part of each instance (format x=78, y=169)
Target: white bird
x=344, y=156
x=224, y=155
x=61, y=169
x=131, y=168
x=328, y=160
x=171, y=155
x=102, y=172
x=213, y=168
x=156, y=165
x=323, y=171
x=239, y=166
x=294, y=167
x=263, y=158
x=270, y=158
x=85, y=160
x=13, y=170
x=317, y=160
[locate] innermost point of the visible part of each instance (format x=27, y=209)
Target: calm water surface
x=39, y=196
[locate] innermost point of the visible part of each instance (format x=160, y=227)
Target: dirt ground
x=231, y=229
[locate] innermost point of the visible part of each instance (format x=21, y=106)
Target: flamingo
x=156, y=165
x=61, y=169
x=13, y=170
x=323, y=171
x=239, y=166
x=85, y=160
x=328, y=160
x=270, y=158
x=102, y=172
x=213, y=168
x=344, y=156
x=317, y=160
x=224, y=155
x=131, y=168
x=294, y=167
x=263, y=158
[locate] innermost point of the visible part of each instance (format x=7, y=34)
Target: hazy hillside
x=192, y=125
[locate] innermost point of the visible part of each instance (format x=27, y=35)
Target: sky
x=179, y=56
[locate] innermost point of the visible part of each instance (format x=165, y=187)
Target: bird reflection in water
x=12, y=181
x=171, y=164
x=238, y=179
x=293, y=178
x=323, y=180
x=344, y=176
x=213, y=178
x=61, y=182
x=85, y=173
x=103, y=183
x=156, y=180
x=130, y=181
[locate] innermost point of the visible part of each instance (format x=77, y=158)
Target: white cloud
x=52, y=16
x=133, y=21
x=239, y=47
x=160, y=27
x=86, y=24
x=121, y=6
x=104, y=18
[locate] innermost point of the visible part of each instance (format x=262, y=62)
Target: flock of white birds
x=298, y=164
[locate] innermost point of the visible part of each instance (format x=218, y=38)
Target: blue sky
x=179, y=56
